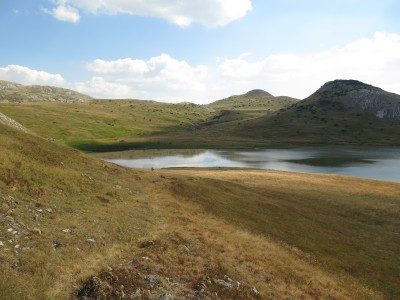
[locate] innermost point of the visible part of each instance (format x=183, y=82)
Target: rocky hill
x=13, y=92
x=341, y=111
x=349, y=94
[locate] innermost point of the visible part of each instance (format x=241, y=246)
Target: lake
x=368, y=162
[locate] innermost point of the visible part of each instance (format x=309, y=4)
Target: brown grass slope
x=350, y=226
x=66, y=216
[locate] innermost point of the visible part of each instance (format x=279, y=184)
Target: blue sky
x=199, y=50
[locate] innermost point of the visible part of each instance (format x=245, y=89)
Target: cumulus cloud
x=163, y=70
x=24, y=75
x=101, y=88
x=373, y=60
x=157, y=77
x=210, y=13
x=64, y=12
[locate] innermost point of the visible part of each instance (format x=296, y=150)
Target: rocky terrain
x=10, y=122
x=340, y=112
x=355, y=94
x=13, y=92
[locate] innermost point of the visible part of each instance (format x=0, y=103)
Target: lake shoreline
x=380, y=163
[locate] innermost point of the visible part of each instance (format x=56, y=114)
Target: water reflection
x=368, y=162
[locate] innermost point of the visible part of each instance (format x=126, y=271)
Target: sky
x=199, y=50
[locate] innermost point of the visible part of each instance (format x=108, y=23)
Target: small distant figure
x=152, y=169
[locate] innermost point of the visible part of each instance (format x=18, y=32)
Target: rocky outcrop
x=384, y=105
x=6, y=85
x=13, y=92
x=10, y=122
x=355, y=94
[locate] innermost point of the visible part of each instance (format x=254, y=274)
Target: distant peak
x=257, y=93
x=345, y=85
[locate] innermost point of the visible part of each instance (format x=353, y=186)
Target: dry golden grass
x=278, y=271
x=53, y=188
x=349, y=225
x=190, y=244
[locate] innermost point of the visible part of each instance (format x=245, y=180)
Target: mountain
x=13, y=92
x=341, y=111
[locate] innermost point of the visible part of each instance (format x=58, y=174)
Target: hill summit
x=14, y=92
x=345, y=85
x=257, y=93
x=253, y=100
x=350, y=94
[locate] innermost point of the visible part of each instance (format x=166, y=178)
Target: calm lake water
x=368, y=162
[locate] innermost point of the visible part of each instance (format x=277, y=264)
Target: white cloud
x=373, y=60
x=64, y=12
x=210, y=13
x=157, y=78
x=100, y=88
x=127, y=66
x=24, y=75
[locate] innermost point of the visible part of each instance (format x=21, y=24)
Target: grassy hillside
x=341, y=112
x=107, y=125
x=73, y=226
x=241, y=108
x=46, y=189
x=103, y=121
x=309, y=123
